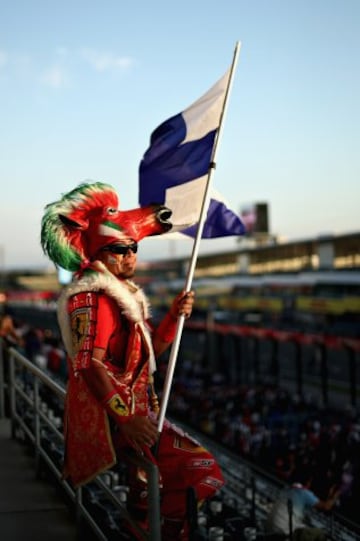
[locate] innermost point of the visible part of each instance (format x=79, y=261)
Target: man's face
x=120, y=258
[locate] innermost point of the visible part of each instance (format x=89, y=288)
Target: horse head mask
x=87, y=219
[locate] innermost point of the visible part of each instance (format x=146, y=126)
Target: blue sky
x=84, y=83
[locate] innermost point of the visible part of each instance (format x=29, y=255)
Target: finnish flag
x=175, y=167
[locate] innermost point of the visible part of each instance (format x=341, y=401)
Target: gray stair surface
x=31, y=509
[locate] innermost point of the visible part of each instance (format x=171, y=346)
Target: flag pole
x=195, y=251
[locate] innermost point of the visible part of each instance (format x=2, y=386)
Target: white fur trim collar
x=134, y=304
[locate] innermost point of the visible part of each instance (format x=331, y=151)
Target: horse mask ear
x=72, y=224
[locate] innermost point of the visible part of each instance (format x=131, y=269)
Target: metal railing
x=250, y=489
x=255, y=491
x=25, y=383
x=3, y=382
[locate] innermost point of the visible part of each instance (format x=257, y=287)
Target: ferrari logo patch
x=118, y=406
x=80, y=324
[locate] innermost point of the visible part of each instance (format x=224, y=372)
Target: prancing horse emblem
x=80, y=321
x=118, y=405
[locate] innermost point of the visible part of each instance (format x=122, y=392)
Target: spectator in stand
x=33, y=346
x=56, y=358
x=10, y=337
x=302, y=500
x=9, y=332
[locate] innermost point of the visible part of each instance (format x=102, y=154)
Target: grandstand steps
x=31, y=509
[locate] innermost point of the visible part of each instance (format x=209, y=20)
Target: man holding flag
x=104, y=316
x=111, y=406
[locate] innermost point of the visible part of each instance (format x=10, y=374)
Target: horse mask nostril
x=163, y=215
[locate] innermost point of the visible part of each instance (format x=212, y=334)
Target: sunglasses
x=121, y=249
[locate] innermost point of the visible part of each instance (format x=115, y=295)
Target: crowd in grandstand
x=275, y=429
x=40, y=346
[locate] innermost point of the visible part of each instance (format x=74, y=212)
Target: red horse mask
x=87, y=219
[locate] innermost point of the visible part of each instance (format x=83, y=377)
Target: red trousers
x=182, y=463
